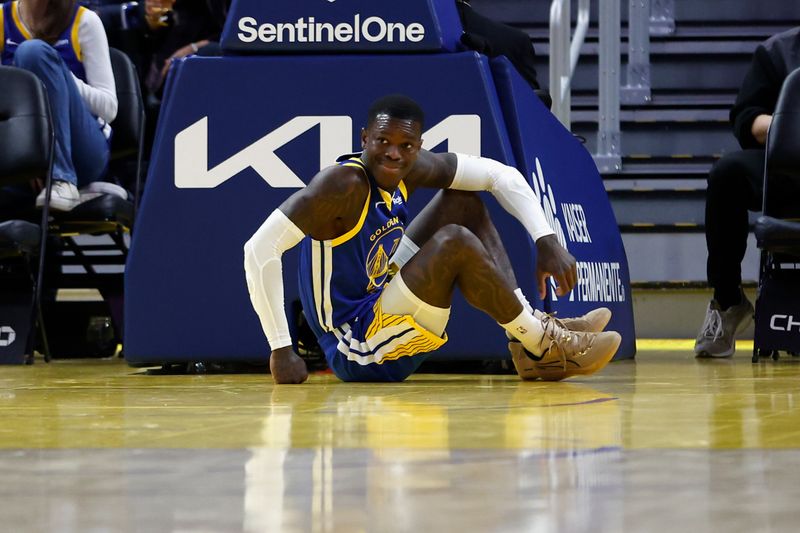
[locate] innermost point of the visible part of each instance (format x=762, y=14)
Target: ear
x=363, y=138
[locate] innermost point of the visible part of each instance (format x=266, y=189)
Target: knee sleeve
x=398, y=299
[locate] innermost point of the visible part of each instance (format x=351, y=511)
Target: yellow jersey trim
x=2, y=30
x=403, y=190
x=386, y=198
x=76, y=45
x=18, y=21
x=350, y=234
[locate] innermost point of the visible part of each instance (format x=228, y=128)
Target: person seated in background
x=180, y=28
x=174, y=30
x=735, y=185
x=493, y=39
x=65, y=46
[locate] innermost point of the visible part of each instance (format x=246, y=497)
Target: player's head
x=392, y=139
x=397, y=106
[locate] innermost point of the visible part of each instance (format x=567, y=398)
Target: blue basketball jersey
x=342, y=277
x=13, y=33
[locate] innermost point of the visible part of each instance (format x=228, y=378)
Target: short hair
x=397, y=106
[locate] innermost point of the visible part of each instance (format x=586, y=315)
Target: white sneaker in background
x=63, y=197
x=717, y=337
x=99, y=188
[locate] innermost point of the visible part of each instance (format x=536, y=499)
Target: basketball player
x=378, y=296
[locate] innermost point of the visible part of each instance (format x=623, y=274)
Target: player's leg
x=468, y=210
x=464, y=209
x=454, y=256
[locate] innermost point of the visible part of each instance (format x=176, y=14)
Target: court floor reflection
x=663, y=444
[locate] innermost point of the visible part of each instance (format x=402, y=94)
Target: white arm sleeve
x=264, y=274
x=99, y=93
x=507, y=185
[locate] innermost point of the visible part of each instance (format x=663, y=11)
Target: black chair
x=27, y=140
x=84, y=263
x=778, y=231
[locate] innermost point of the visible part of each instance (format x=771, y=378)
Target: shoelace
x=712, y=325
x=558, y=333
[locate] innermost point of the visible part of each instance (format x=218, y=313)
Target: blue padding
x=186, y=296
x=351, y=26
x=570, y=188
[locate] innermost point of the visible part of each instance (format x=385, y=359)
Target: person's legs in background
x=734, y=187
x=81, y=149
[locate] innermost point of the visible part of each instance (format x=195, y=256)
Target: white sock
x=524, y=301
x=528, y=330
x=527, y=306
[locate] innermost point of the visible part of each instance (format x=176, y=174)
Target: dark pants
x=735, y=186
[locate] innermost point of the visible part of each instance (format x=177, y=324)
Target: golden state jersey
x=339, y=278
x=341, y=281
x=13, y=33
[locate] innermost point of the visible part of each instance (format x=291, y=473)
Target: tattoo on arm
x=434, y=171
x=331, y=203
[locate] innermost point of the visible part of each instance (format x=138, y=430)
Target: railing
x=564, y=55
x=564, y=58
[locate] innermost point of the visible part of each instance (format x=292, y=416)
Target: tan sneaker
x=595, y=320
x=569, y=353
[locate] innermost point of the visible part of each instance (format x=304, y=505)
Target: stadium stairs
x=669, y=143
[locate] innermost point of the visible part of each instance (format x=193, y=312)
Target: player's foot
x=717, y=337
x=568, y=353
x=595, y=320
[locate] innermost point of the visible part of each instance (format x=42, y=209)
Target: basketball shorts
x=377, y=345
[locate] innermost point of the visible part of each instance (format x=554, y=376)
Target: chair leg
x=38, y=322
x=43, y=250
x=42, y=330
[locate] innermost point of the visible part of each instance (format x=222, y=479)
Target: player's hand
x=287, y=367
x=553, y=260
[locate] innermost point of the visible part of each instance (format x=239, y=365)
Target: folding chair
x=97, y=263
x=26, y=135
x=778, y=231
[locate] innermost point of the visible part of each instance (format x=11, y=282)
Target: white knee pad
x=397, y=299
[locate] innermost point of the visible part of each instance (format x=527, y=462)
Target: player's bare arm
x=432, y=171
x=331, y=203
x=439, y=171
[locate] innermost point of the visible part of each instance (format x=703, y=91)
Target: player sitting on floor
x=378, y=296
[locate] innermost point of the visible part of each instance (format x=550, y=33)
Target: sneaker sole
x=528, y=370
x=58, y=205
